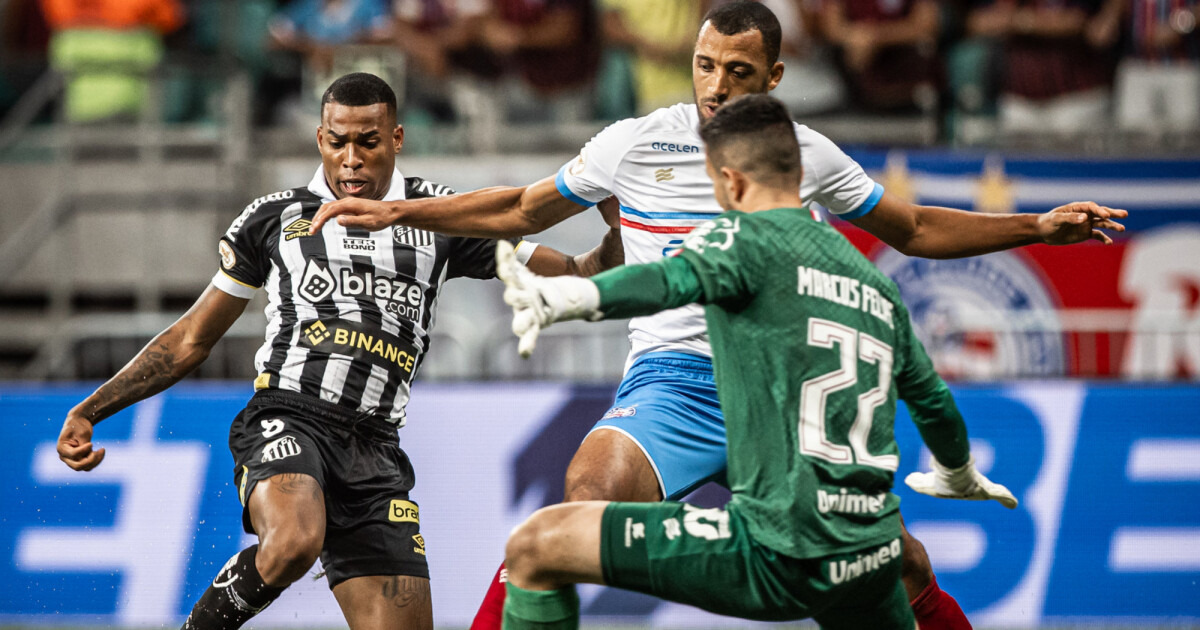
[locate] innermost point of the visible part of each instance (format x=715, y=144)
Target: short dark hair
x=754, y=134
x=359, y=89
x=743, y=15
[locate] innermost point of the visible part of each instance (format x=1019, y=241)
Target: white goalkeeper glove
x=960, y=483
x=538, y=301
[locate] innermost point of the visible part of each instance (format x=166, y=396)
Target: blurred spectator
x=811, y=83
x=324, y=33
x=24, y=38
x=1158, y=79
x=888, y=51
x=553, y=46
x=316, y=28
x=660, y=34
x=434, y=33
x=23, y=29
x=1055, y=82
x=440, y=38
x=106, y=50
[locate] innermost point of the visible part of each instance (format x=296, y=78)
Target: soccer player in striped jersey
x=655, y=166
x=808, y=378
x=319, y=469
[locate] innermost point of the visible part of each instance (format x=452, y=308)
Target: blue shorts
x=667, y=404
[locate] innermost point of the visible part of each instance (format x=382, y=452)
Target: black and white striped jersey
x=349, y=311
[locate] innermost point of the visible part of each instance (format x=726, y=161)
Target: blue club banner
x=1108, y=528
x=1156, y=192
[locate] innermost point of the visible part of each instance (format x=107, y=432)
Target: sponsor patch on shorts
x=863, y=563
x=402, y=511
x=621, y=412
x=285, y=446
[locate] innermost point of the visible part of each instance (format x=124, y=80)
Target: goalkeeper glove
x=960, y=483
x=538, y=301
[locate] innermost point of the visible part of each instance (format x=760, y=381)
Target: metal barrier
x=1099, y=344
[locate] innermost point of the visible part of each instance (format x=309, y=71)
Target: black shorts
x=371, y=526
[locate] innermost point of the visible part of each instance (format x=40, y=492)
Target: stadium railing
x=1097, y=344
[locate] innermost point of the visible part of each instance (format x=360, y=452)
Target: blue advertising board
x=1108, y=528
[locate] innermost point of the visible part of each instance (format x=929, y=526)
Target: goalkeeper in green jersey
x=812, y=346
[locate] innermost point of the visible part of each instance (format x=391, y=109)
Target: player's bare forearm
x=550, y=262
x=608, y=254
x=154, y=369
x=170, y=356
x=499, y=212
x=933, y=232
x=489, y=213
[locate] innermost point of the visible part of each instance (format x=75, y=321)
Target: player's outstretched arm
x=500, y=212
x=964, y=482
x=932, y=408
x=942, y=429
x=167, y=358
x=933, y=232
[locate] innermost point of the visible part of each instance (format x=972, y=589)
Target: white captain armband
x=525, y=251
x=233, y=286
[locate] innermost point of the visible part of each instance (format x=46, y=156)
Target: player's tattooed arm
x=164, y=361
x=139, y=379
x=168, y=357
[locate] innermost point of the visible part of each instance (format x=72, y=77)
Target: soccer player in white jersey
x=665, y=433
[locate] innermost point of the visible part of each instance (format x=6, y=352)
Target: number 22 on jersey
x=851, y=346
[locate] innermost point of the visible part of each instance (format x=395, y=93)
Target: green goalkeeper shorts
x=707, y=558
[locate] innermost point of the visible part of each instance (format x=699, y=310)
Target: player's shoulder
x=819, y=155
x=678, y=124
x=655, y=126
x=812, y=140
x=269, y=207
x=677, y=117
x=419, y=188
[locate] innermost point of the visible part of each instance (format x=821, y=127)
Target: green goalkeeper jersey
x=811, y=348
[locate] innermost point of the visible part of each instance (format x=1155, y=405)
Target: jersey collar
x=319, y=187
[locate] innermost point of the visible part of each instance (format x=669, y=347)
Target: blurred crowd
x=1033, y=66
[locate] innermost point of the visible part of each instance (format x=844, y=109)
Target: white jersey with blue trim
x=655, y=167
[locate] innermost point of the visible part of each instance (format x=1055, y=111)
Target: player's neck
x=759, y=199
